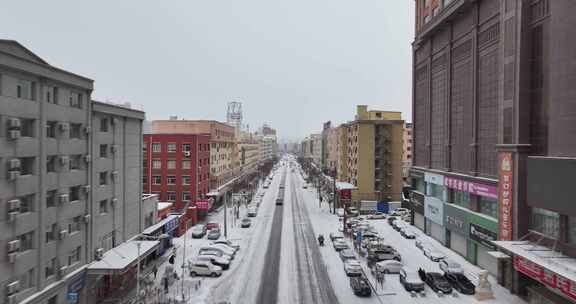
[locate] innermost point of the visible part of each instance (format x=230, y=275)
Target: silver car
x=389, y=266
x=204, y=268
x=450, y=266
x=352, y=268
x=434, y=254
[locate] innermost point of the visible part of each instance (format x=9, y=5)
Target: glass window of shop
x=546, y=222
x=419, y=185
x=488, y=206
x=436, y=191
x=572, y=230
x=461, y=198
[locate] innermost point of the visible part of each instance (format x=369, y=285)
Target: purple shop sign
x=471, y=187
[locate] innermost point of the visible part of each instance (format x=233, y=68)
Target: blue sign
x=72, y=297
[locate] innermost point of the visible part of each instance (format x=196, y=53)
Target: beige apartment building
x=407, y=150
x=342, y=153
x=222, y=144
x=374, y=155
x=332, y=147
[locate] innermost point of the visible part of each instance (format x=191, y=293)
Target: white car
x=252, y=211
x=401, y=211
x=217, y=250
x=215, y=254
x=352, y=268
x=449, y=266
x=216, y=260
x=228, y=243
x=421, y=244
x=227, y=249
x=376, y=216
x=204, y=268
x=433, y=254
x=340, y=212
x=224, y=246
x=388, y=266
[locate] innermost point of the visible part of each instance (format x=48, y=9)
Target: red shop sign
x=546, y=276
x=505, y=196
x=346, y=194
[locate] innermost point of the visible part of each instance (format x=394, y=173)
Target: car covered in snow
x=450, y=266
x=352, y=212
x=376, y=216
x=340, y=212
x=334, y=236
x=407, y=233
x=360, y=286
x=421, y=243
x=399, y=224
x=198, y=231
x=305, y=186
x=436, y=281
x=460, y=282
x=245, y=223
x=216, y=250
x=340, y=245
x=434, y=254
x=216, y=260
x=389, y=266
x=410, y=279
x=213, y=234
x=400, y=211
x=204, y=268
x=227, y=243
x=252, y=211
x=352, y=268
x=347, y=254
x=212, y=225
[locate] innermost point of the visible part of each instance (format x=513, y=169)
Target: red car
x=212, y=225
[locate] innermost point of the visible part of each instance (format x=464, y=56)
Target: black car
x=436, y=281
x=460, y=282
x=391, y=219
x=360, y=286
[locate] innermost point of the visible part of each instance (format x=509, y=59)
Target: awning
x=154, y=228
x=164, y=205
x=117, y=260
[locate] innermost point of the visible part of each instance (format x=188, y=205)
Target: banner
x=505, y=196
x=471, y=187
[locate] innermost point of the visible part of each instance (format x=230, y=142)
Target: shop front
x=417, y=206
x=456, y=224
x=75, y=289
x=483, y=231
x=434, y=213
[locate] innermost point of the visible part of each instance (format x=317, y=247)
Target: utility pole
x=225, y=211
x=334, y=191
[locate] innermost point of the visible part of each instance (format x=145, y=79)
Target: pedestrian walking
x=155, y=270
x=165, y=284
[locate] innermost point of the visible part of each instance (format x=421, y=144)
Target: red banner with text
x=505, y=167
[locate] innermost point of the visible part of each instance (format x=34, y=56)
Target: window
x=186, y=196
x=103, y=206
x=171, y=147
x=27, y=165
x=156, y=180
x=144, y=179
x=186, y=147
x=156, y=164
x=104, y=125
x=103, y=178
x=436, y=191
x=185, y=180
x=171, y=196
x=51, y=198
x=27, y=280
x=49, y=271
x=572, y=230
x=27, y=203
x=75, y=130
x=74, y=193
x=25, y=89
x=171, y=180
x=26, y=241
x=74, y=256
x=51, y=129
x=186, y=164
x=56, y=95
x=76, y=162
x=488, y=206
x=76, y=100
x=103, y=151
x=171, y=164
x=546, y=222
x=51, y=233
x=51, y=163
x=461, y=198
x=74, y=226
x=27, y=127
x=156, y=147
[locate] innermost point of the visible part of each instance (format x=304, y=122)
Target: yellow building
x=372, y=160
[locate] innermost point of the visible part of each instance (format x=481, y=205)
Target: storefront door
x=458, y=243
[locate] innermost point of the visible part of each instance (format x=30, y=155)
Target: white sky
x=294, y=64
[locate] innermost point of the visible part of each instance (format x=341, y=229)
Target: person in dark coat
x=155, y=270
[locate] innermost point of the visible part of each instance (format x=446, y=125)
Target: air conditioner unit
x=12, y=175
x=187, y=153
x=14, y=134
x=14, y=204
x=88, y=158
x=62, y=234
x=13, y=245
x=87, y=130
x=14, y=123
x=13, y=287
x=62, y=271
x=12, y=257
x=14, y=164
x=12, y=215
x=64, y=199
x=86, y=188
x=87, y=218
x=12, y=299
x=63, y=126
x=114, y=148
x=99, y=254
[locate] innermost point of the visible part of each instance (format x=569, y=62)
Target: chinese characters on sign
x=505, y=196
x=545, y=276
x=471, y=187
x=346, y=194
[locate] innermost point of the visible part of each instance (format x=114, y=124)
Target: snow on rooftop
x=164, y=205
x=120, y=257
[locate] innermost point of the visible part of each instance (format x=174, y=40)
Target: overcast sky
x=292, y=63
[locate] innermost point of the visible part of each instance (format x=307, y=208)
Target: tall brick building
x=494, y=123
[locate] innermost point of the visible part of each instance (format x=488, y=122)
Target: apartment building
x=407, y=150
x=374, y=155
x=326, y=127
x=342, y=153
x=332, y=149
x=494, y=140
x=316, y=149
x=267, y=147
x=221, y=144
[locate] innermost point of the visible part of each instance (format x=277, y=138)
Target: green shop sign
x=483, y=230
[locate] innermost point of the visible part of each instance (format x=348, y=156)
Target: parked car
x=340, y=212
x=376, y=216
x=410, y=280
x=360, y=286
x=352, y=268
x=422, y=244
x=198, y=231
x=227, y=243
x=449, y=266
x=352, y=212
x=213, y=234
x=399, y=224
x=433, y=254
x=390, y=266
x=347, y=254
x=334, y=236
x=245, y=223
x=215, y=254
x=407, y=233
x=383, y=255
x=391, y=219
x=224, y=246
x=436, y=281
x=305, y=186
x=252, y=211
x=340, y=245
x=212, y=225
x=215, y=260
x=215, y=250
x=460, y=282
x=204, y=268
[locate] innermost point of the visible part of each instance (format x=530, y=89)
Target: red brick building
x=177, y=168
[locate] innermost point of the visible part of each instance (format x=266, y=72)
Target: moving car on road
x=352, y=268
x=252, y=211
x=410, y=280
x=390, y=266
x=245, y=223
x=436, y=281
x=360, y=286
x=347, y=254
x=433, y=254
x=204, y=268
x=198, y=231
x=449, y=266
x=213, y=234
x=460, y=282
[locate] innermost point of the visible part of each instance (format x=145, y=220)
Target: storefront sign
x=550, y=279
x=456, y=219
x=171, y=225
x=434, y=210
x=204, y=205
x=505, y=196
x=483, y=235
x=417, y=200
x=77, y=284
x=434, y=178
x=471, y=187
x=346, y=194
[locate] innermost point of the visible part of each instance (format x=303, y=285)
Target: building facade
x=332, y=147
x=407, y=150
x=492, y=116
x=316, y=149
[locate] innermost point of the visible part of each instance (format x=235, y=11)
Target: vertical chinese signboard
x=505, y=196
